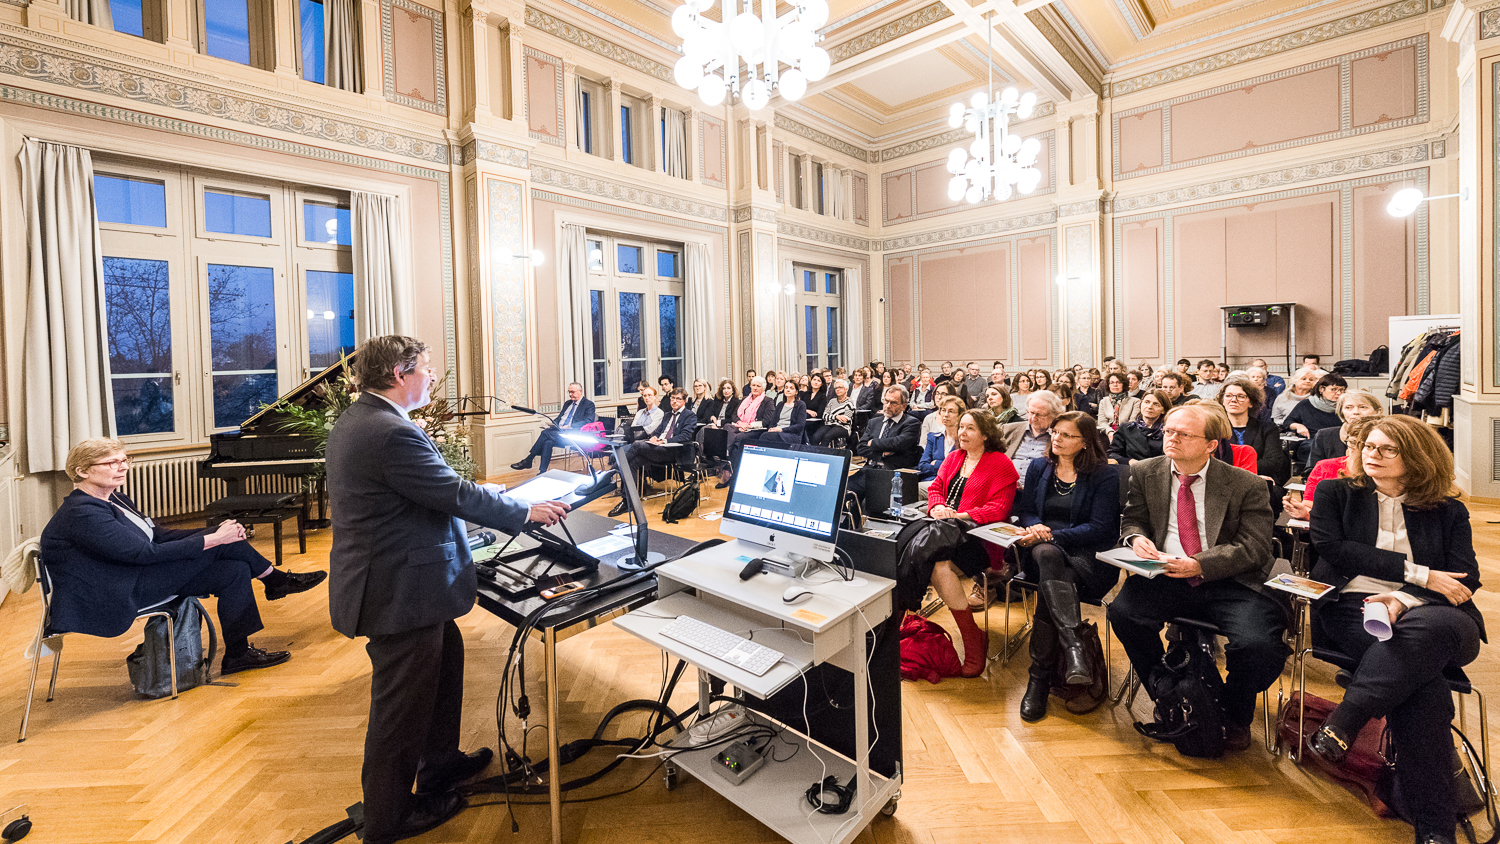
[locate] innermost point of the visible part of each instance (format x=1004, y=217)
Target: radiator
x=169, y=487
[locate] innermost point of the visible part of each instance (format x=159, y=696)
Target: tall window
x=591, y=117
x=820, y=342
x=205, y=281
x=627, y=148
x=635, y=310
x=239, y=31
x=310, y=25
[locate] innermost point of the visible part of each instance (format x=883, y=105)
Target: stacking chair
x=51, y=640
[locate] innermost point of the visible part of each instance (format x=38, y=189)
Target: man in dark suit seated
x=670, y=442
x=401, y=574
x=893, y=439
x=576, y=412
x=1211, y=524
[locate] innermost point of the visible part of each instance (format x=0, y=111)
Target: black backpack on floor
x=683, y=502
x=1187, y=689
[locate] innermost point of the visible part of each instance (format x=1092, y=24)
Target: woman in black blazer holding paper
x=1393, y=533
x=1070, y=508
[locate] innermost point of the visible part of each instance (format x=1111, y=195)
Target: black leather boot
x=1043, y=661
x=1062, y=603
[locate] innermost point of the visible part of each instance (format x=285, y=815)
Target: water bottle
x=895, y=495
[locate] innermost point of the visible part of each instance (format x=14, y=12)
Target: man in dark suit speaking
x=576, y=412
x=400, y=574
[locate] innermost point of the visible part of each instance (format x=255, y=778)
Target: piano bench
x=264, y=509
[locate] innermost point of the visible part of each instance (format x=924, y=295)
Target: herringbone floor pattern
x=277, y=756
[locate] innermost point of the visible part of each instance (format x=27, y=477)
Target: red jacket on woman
x=988, y=494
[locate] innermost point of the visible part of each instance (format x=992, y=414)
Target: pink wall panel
x=1142, y=292
x=713, y=151
x=902, y=341
x=932, y=189
x=1307, y=271
x=1140, y=141
x=415, y=63
x=957, y=284
x=1278, y=110
x=541, y=96
x=1034, y=283
x=1384, y=86
x=895, y=193
x=1201, y=279
x=1383, y=264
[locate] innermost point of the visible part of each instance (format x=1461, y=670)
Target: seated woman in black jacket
x=1070, y=507
x=1315, y=413
x=791, y=418
x=1141, y=439
x=1394, y=534
x=711, y=409
x=1243, y=400
x=107, y=560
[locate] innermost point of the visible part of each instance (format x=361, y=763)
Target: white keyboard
x=721, y=644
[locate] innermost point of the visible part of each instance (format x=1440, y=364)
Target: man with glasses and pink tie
x=1210, y=523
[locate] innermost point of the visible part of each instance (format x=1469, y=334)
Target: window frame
x=612, y=282
x=260, y=29
x=202, y=184
x=821, y=300
x=590, y=119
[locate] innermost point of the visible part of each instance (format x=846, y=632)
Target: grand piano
x=261, y=448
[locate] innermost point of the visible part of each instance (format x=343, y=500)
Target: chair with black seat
x=51, y=640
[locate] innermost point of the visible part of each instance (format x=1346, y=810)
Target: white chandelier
x=996, y=164
x=713, y=51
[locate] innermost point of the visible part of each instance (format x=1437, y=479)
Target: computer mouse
x=796, y=594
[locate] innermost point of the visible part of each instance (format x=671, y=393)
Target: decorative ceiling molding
x=492, y=152
x=1030, y=221
x=1074, y=209
x=1060, y=43
x=746, y=213
x=952, y=136
x=822, y=236
x=629, y=194
x=923, y=17
x=1348, y=25
x=60, y=67
x=594, y=44
x=1079, y=32
x=1395, y=157
x=808, y=133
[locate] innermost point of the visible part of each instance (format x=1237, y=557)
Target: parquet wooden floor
x=277, y=757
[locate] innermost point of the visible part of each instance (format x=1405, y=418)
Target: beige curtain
x=574, y=321
x=833, y=193
x=698, y=308
x=340, y=46
x=65, y=367
x=382, y=266
x=854, y=318
x=786, y=304
x=95, y=12
x=676, y=163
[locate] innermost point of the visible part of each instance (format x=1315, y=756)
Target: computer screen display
x=795, y=490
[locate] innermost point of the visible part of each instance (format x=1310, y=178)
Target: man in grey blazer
x=1211, y=524
x=400, y=574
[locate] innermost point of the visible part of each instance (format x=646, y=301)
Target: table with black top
x=578, y=618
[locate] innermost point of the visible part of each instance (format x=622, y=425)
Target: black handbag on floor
x=1187, y=689
x=683, y=502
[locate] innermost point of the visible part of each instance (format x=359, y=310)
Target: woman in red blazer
x=977, y=482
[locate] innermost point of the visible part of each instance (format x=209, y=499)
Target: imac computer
x=788, y=499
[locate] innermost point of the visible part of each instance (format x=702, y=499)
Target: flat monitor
x=788, y=498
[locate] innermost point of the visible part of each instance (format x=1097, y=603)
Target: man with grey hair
x=576, y=412
x=893, y=439
x=974, y=382
x=1027, y=440
x=1275, y=385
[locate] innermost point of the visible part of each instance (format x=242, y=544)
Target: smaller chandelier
x=713, y=51
x=996, y=164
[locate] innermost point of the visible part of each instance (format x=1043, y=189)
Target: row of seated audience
x=1206, y=475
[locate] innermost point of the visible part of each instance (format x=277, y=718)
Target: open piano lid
x=314, y=387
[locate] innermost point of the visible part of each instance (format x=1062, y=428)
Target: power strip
x=720, y=724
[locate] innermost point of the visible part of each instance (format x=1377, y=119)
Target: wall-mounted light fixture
x=1407, y=200
x=503, y=255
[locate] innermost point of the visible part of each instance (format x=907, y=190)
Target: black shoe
x=618, y=509
x=1429, y=836
x=1034, y=701
x=721, y=484
x=466, y=768
x=430, y=811
x=251, y=659
x=521, y=465
x=1330, y=743
x=295, y=581
x=1236, y=738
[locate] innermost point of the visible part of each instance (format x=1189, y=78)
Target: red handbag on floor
x=1363, y=768
x=927, y=651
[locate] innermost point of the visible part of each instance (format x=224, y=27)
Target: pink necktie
x=1187, y=522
